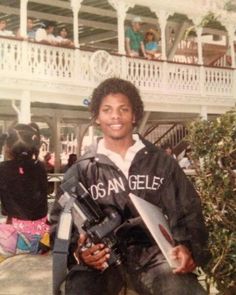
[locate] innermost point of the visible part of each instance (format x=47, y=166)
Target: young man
x=30, y=30
x=134, y=39
x=123, y=162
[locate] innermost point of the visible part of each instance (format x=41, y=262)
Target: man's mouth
x=115, y=126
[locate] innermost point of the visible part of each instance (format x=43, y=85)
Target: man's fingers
x=98, y=261
x=186, y=266
x=182, y=254
x=82, y=239
x=93, y=249
x=94, y=256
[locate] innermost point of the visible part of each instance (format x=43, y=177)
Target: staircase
x=221, y=60
x=214, y=55
x=172, y=133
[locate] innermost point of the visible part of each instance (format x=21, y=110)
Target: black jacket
x=23, y=195
x=153, y=176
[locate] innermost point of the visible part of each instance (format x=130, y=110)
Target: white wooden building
x=53, y=84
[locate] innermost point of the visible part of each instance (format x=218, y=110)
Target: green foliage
x=214, y=143
x=209, y=20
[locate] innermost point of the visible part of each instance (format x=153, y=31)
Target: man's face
x=116, y=117
x=168, y=151
x=136, y=26
x=50, y=29
x=3, y=25
x=63, y=33
x=29, y=24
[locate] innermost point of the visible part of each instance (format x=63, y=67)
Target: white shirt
x=6, y=33
x=60, y=38
x=123, y=164
x=41, y=35
x=184, y=163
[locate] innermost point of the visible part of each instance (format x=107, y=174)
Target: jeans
x=157, y=279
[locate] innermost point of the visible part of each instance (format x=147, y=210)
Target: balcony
x=71, y=74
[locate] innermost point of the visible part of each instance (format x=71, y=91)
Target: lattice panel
x=143, y=73
x=10, y=55
x=183, y=78
x=218, y=81
x=85, y=73
x=53, y=62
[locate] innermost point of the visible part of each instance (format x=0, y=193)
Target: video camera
x=88, y=217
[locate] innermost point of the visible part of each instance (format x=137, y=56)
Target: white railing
x=183, y=78
x=49, y=62
x=218, y=81
x=21, y=59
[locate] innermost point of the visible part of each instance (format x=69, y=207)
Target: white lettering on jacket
x=136, y=182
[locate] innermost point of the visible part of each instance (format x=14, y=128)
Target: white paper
x=157, y=224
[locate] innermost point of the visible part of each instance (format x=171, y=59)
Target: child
x=23, y=192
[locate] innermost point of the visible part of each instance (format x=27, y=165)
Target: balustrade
x=218, y=80
x=21, y=59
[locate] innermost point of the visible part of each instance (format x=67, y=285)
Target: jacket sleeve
x=183, y=208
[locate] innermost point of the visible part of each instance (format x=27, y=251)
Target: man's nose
x=116, y=114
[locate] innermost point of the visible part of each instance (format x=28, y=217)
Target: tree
x=214, y=143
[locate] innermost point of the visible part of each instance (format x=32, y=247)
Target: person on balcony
x=122, y=162
x=151, y=46
x=23, y=192
x=30, y=31
x=62, y=38
x=3, y=31
x=134, y=39
x=45, y=34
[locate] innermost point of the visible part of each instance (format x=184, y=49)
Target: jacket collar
x=92, y=152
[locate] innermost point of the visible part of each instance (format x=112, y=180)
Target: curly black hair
x=117, y=85
x=23, y=141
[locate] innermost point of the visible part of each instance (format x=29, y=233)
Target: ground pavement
x=28, y=275
x=31, y=275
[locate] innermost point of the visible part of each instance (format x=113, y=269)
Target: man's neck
x=134, y=29
x=119, y=146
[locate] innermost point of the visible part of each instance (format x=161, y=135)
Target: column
x=81, y=133
x=23, y=110
x=57, y=142
x=199, y=45
x=162, y=16
x=198, y=28
x=203, y=112
x=75, y=5
x=231, y=30
x=200, y=62
x=23, y=18
x=25, y=114
x=121, y=8
x=143, y=123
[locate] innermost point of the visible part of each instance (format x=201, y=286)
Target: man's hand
x=95, y=256
x=183, y=255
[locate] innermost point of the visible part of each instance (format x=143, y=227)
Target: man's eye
x=124, y=109
x=105, y=110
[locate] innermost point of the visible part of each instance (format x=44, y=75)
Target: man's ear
x=97, y=121
x=134, y=120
